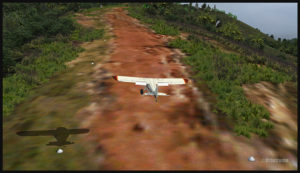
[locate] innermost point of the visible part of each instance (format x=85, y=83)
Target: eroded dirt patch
x=281, y=101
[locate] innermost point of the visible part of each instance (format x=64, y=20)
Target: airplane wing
x=172, y=81
x=37, y=133
x=144, y=81
x=59, y=143
x=78, y=131
x=136, y=80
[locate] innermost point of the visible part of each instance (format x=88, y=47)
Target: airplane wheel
x=142, y=91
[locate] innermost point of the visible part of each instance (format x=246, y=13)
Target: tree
x=272, y=36
x=203, y=6
x=258, y=43
x=279, y=39
x=208, y=8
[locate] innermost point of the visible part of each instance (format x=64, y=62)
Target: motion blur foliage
x=23, y=22
x=38, y=39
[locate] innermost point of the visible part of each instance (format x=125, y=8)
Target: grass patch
x=83, y=34
x=225, y=74
x=52, y=59
x=159, y=26
x=36, y=70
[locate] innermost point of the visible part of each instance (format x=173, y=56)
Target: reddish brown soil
x=130, y=131
x=138, y=133
x=177, y=132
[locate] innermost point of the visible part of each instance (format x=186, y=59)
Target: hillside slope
x=127, y=130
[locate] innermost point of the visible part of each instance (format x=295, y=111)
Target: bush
x=83, y=34
x=161, y=27
x=230, y=30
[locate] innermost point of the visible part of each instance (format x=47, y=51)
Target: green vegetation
x=222, y=27
x=37, y=47
x=159, y=26
x=38, y=38
x=231, y=30
x=35, y=71
x=23, y=22
x=287, y=46
x=83, y=34
x=224, y=73
x=52, y=104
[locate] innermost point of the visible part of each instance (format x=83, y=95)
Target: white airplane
x=152, y=84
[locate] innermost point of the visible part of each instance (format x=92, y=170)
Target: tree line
x=218, y=21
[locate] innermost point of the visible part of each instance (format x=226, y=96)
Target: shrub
x=161, y=27
x=83, y=34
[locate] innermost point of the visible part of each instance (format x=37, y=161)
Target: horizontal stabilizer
x=162, y=94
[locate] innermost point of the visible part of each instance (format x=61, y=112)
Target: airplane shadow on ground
x=61, y=134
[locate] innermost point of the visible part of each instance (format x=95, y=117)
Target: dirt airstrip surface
x=178, y=132
x=131, y=131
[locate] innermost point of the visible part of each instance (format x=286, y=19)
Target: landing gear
x=142, y=91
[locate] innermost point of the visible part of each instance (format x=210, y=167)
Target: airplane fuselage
x=152, y=89
x=61, y=135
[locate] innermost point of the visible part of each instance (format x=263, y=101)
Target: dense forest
x=256, y=57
